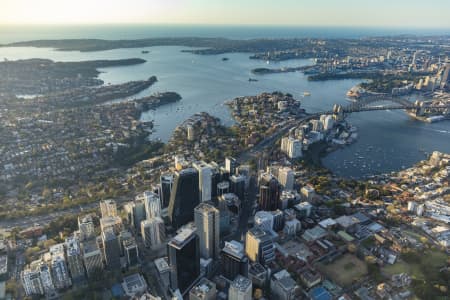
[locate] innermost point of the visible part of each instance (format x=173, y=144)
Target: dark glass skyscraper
x=184, y=259
x=269, y=193
x=111, y=249
x=166, y=188
x=234, y=261
x=185, y=196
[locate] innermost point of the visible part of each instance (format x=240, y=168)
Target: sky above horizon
x=379, y=13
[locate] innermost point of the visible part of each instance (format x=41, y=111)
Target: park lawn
x=433, y=258
x=345, y=270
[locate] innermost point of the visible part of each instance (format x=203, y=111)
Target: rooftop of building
x=187, y=171
x=303, y=205
x=57, y=250
x=110, y=221
x=314, y=233
x=256, y=269
x=203, y=287
x=90, y=246
x=234, y=248
x=184, y=235
x=161, y=264
x=108, y=234
x=85, y=219
x=241, y=283
x=347, y=221
x=257, y=232
x=133, y=282
x=206, y=207
x=3, y=264
x=320, y=293
x=108, y=201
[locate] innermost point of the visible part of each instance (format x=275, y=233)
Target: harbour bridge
x=418, y=108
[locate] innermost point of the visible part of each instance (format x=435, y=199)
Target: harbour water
x=388, y=140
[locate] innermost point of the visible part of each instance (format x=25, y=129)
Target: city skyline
x=350, y=13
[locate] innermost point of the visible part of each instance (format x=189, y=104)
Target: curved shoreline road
x=268, y=141
x=45, y=219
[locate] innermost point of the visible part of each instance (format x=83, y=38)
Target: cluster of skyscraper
x=83, y=255
x=197, y=202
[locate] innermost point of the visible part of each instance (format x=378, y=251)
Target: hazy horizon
x=347, y=13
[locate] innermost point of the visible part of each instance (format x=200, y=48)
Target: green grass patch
x=345, y=270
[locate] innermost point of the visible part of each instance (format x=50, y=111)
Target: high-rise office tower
x=46, y=278
x=153, y=231
x=111, y=249
x=240, y=289
x=152, y=204
x=204, y=290
x=269, y=192
x=278, y=220
x=264, y=220
x=59, y=270
x=292, y=147
x=184, y=197
x=31, y=280
x=234, y=261
x=184, y=259
x=230, y=165
x=259, y=246
x=125, y=236
x=92, y=257
x=282, y=286
x=114, y=223
x=136, y=210
x=206, y=218
x=108, y=208
x=205, y=180
x=74, y=259
x=131, y=252
x=446, y=76
x=229, y=202
x=86, y=227
x=37, y=279
x=286, y=178
x=237, y=186
x=215, y=179
x=166, y=182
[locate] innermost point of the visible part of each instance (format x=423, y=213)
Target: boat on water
x=252, y=80
x=145, y=51
x=306, y=94
x=225, y=58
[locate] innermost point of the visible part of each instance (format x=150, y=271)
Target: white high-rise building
x=31, y=279
x=264, y=220
x=59, y=270
x=286, y=178
x=92, y=257
x=206, y=219
x=240, y=289
x=153, y=231
x=282, y=286
x=291, y=147
x=230, y=165
x=152, y=204
x=412, y=206
x=108, y=208
x=327, y=122
x=74, y=258
x=204, y=180
x=46, y=277
x=86, y=227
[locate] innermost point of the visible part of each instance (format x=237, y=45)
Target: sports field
x=345, y=269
